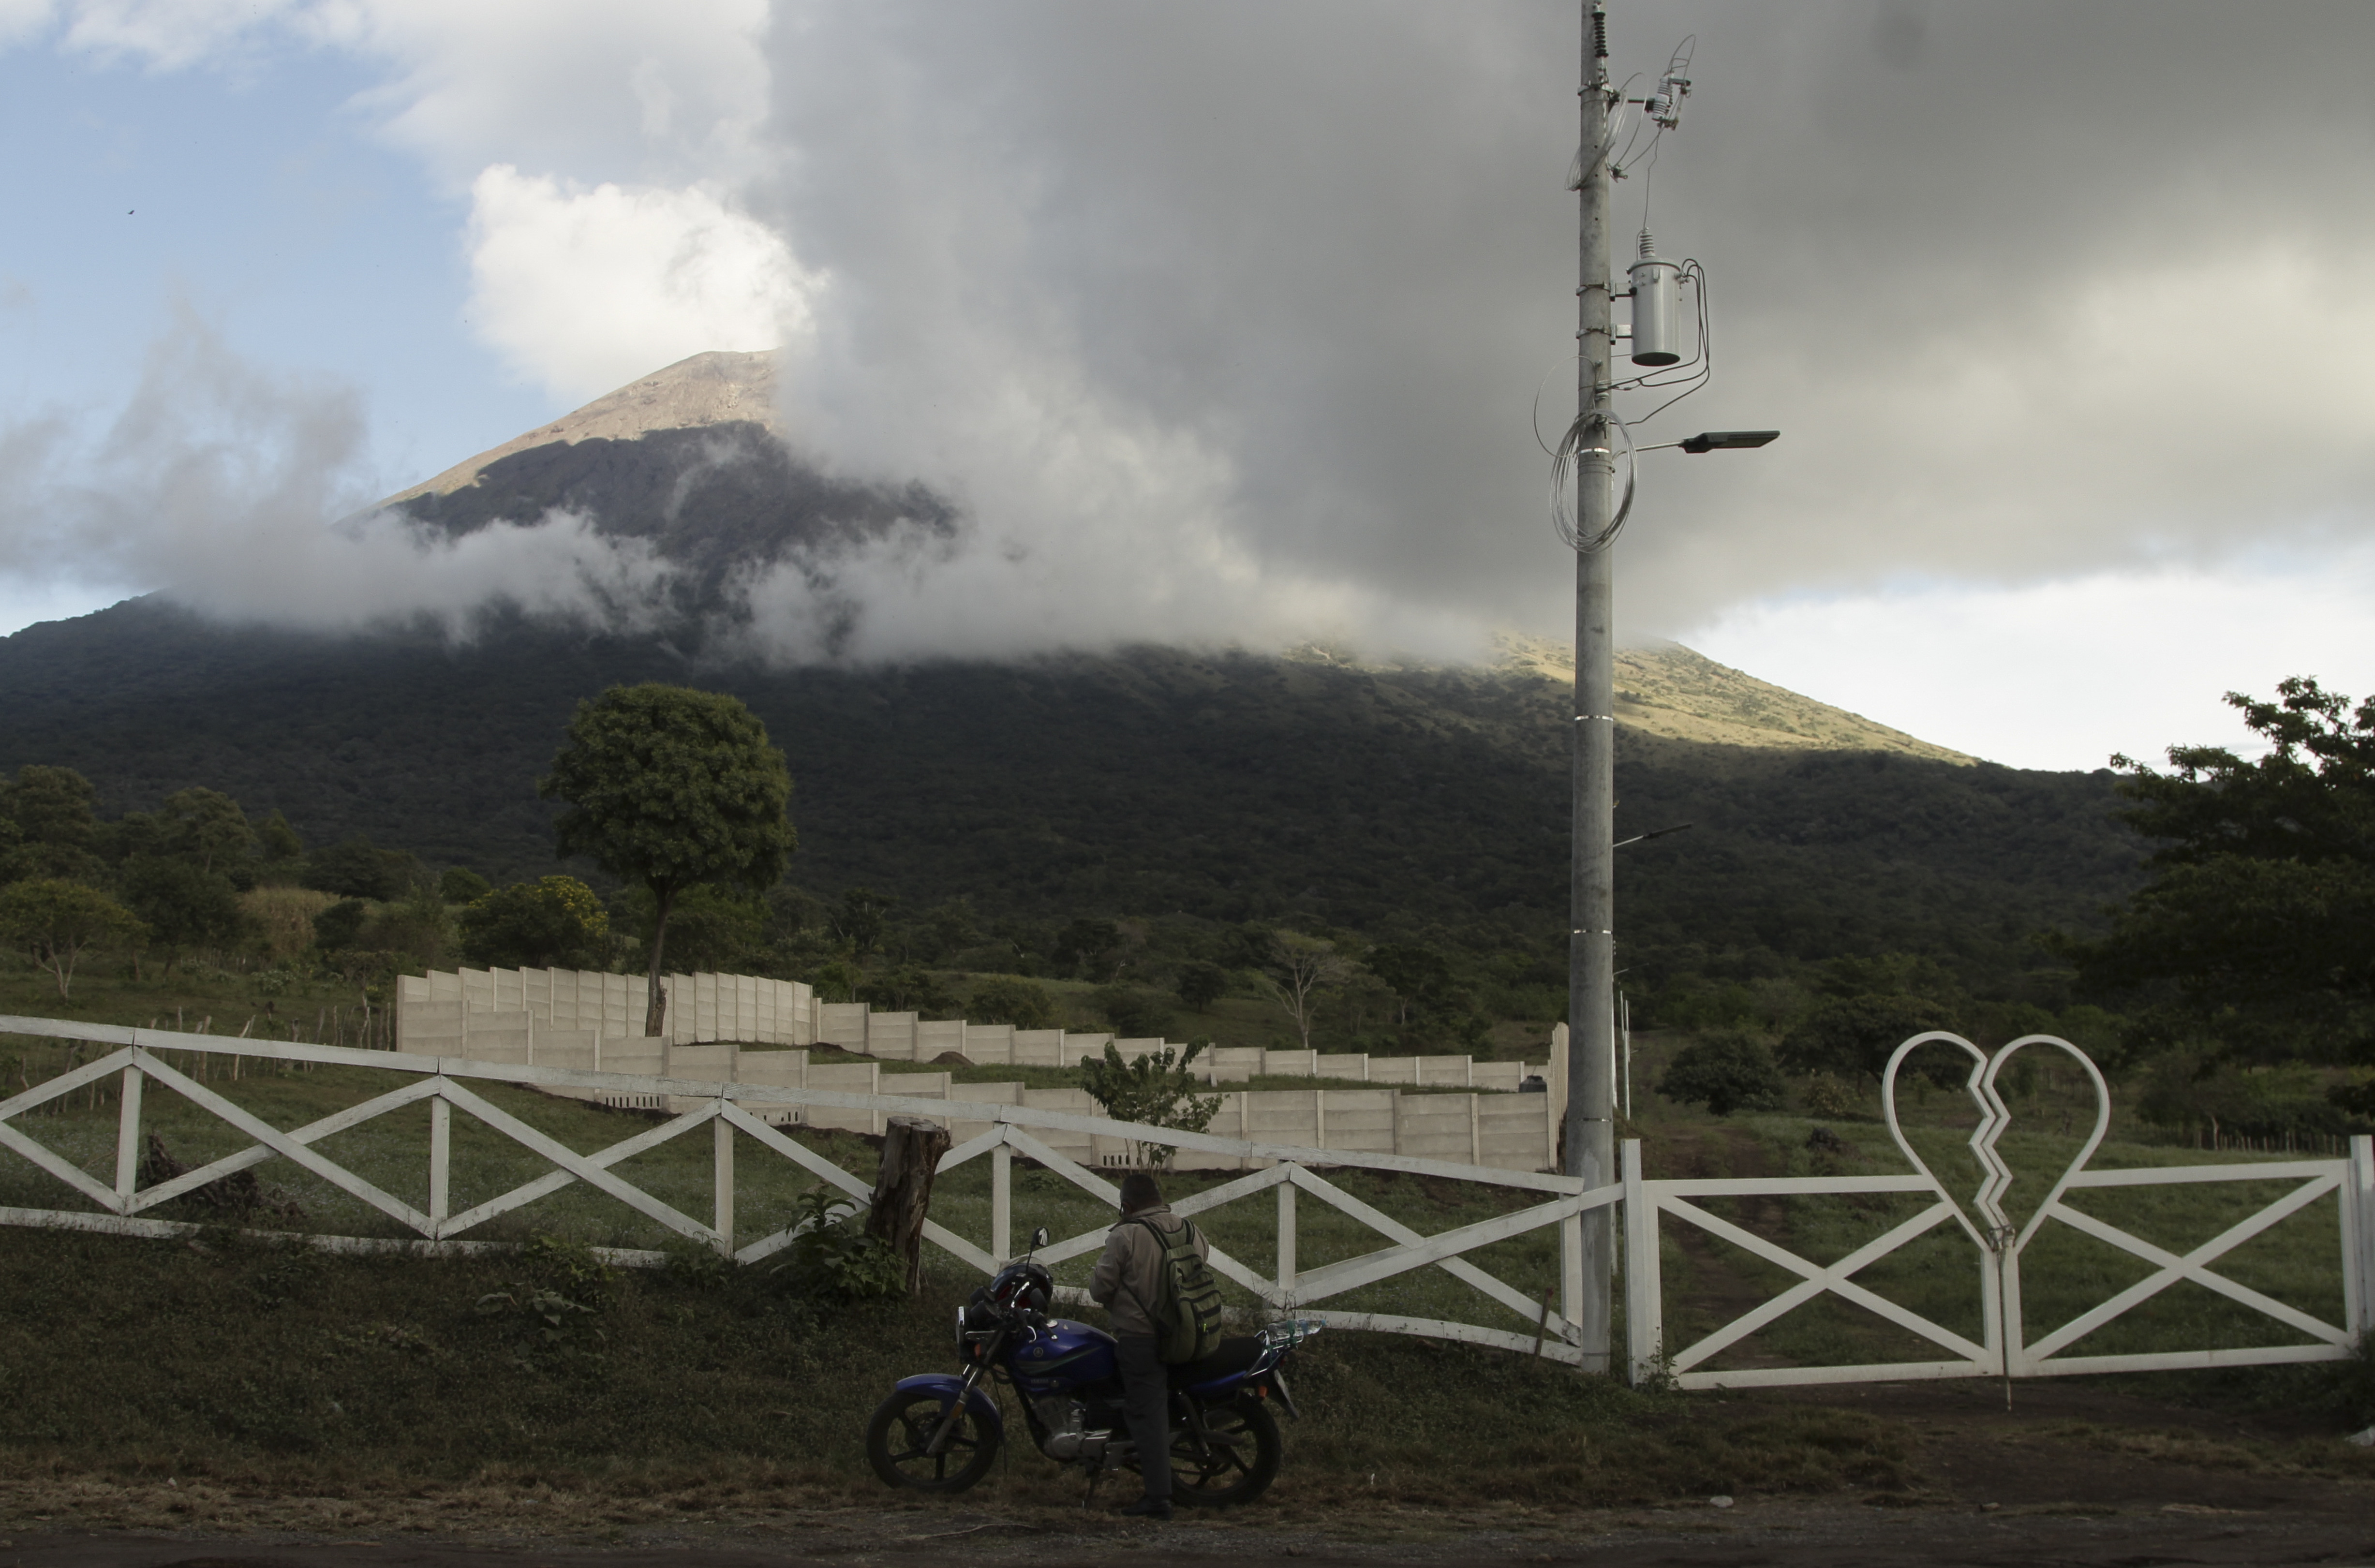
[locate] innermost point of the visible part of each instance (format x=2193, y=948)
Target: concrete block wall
x=1506, y=1131
x=591, y=1021
x=701, y=1008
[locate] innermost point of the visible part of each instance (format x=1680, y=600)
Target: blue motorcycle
x=940, y=1431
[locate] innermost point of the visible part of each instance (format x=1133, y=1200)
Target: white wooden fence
x=1288, y=1172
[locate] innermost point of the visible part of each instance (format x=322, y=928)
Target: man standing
x=1128, y=1283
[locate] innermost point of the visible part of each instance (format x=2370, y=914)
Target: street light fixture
x=1717, y=440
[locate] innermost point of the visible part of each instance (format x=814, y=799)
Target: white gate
x=1998, y=1247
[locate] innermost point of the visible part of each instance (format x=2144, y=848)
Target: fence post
x=722, y=1147
x=1643, y=1287
x=127, y=1140
x=1001, y=1202
x=2359, y=1240
x=1286, y=1240
x=441, y=1162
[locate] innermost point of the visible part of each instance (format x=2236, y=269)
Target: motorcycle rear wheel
x=902, y=1426
x=1243, y=1461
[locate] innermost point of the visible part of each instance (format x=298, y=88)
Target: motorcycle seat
x=1234, y=1356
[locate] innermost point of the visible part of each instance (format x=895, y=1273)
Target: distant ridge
x=1667, y=690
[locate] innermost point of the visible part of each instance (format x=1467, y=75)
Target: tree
x=1726, y=1070
x=206, y=826
x=1300, y=968
x=907, y=987
x=1007, y=998
x=1416, y=975
x=552, y=922
x=1201, y=984
x=52, y=808
x=949, y=926
x=278, y=840
x=1155, y=1091
x=2251, y=940
x=459, y=884
x=55, y=920
x=184, y=905
x=1855, y=1034
x=354, y=869
x=863, y=919
x=672, y=788
x=1086, y=946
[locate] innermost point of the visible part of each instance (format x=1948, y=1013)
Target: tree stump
x=912, y=1148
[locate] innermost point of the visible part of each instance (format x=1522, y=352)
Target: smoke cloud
x=1226, y=322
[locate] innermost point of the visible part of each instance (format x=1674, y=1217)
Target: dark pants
x=1146, y=1407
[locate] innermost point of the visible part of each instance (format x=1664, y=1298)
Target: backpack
x=1186, y=1309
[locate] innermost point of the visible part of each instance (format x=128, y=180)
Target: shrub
x=1726, y=1070
x=340, y=927
x=1155, y=1091
x=834, y=1258
x=555, y=922
x=1134, y=1014
x=1025, y=1004
x=1832, y=1097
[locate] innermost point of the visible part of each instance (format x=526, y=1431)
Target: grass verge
x=241, y=1369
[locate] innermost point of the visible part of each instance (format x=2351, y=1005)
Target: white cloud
x=586, y=289
x=215, y=484
x=22, y=19
x=590, y=90
x=2062, y=674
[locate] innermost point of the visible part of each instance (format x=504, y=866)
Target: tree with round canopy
x=672, y=788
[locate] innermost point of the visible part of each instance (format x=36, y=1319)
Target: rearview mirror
x=1039, y=1238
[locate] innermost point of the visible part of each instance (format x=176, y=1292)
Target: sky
x=1228, y=322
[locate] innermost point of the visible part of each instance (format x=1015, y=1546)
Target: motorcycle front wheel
x=1240, y=1461
x=903, y=1427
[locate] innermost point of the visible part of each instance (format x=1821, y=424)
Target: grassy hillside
x=1222, y=787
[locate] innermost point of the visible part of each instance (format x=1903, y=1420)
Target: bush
x=340, y=927
x=907, y=987
x=1726, y=1070
x=1025, y=1004
x=1155, y=1091
x=1134, y=1014
x=834, y=1258
x=555, y=922
x=1832, y=1097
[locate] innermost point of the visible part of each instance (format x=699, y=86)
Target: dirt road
x=2072, y=1475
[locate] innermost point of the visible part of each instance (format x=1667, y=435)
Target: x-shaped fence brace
x=2000, y=1350
x=2317, y=1178
x=725, y=1107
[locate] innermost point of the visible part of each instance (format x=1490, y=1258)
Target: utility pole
x=1590, y=1134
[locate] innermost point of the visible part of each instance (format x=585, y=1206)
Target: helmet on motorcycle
x=1027, y=1286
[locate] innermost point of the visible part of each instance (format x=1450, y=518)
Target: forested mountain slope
x=1229, y=786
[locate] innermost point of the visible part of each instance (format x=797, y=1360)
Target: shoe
x=1157, y=1508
